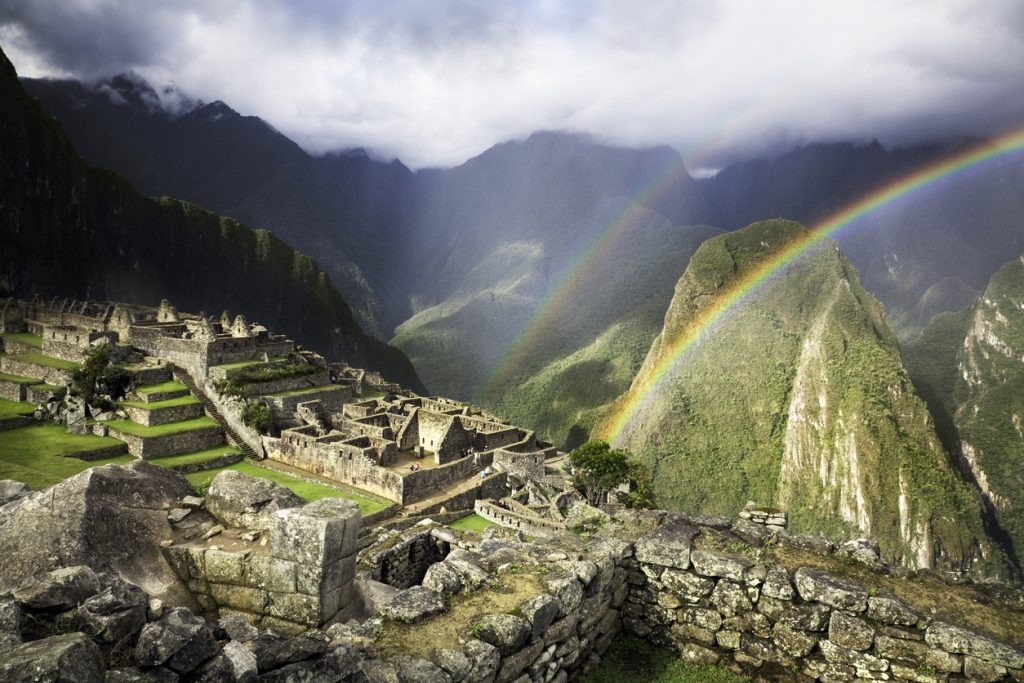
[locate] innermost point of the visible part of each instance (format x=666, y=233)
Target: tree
x=257, y=415
x=598, y=469
x=98, y=376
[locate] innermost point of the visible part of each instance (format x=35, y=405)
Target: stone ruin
x=251, y=583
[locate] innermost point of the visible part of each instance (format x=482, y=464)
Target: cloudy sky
x=434, y=82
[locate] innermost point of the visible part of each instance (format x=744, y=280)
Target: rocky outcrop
x=110, y=519
x=798, y=398
x=247, y=502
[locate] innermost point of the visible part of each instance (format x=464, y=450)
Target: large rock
x=249, y=502
x=413, y=604
x=116, y=613
x=506, y=632
x=816, y=585
x=11, y=489
x=959, y=640
x=58, y=590
x=68, y=658
x=179, y=640
x=109, y=518
x=667, y=546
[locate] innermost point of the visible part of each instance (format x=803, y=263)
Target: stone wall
x=287, y=384
x=492, y=487
x=334, y=460
x=522, y=465
x=301, y=579
x=12, y=391
x=157, y=374
x=528, y=524
x=669, y=579
x=160, y=416
x=424, y=483
x=149, y=447
x=332, y=397
x=402, y=559
x=56, y=376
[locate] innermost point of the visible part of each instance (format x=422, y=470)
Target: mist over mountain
x=69, y=229
x=832, y=430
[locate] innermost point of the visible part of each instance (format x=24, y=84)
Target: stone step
x=214, y=412
x=154, y=442
x=153, y=414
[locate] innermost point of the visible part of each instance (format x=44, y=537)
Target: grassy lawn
x=46, y=361
x=33, y=454
x=195, y=456
x=135, y=429
x=473, y=522
x=25, y=338
x=246, y=363
x=631, y=660
x=12, y=408
x=41, y=386
x=305, y=390
x=302, y=488
x=372, y=393
x=169, y=403
x=162, y=387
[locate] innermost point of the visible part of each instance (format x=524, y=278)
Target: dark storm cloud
x=435, y=82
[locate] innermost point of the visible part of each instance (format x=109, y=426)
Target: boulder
x=668, y=545
x=233, y=663
x=413, y=604
x=71, y=658
x=453, y=662
x=109, y=518
x=179, y=639
x=961, y=641
x=416, y=670
x=484, y=659
x=442, y=578
x=506, y=632
x=240, y=500
x=863, y=550
x=583, y=517
x=116, y=613
x=11, y=489
x=301, y=647
x=58, y=590
x=816, y=585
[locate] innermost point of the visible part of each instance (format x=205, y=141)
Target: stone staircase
x=213, y=411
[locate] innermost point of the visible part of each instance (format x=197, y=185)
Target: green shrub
x=257, y=415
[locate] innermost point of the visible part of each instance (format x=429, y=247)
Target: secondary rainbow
x=560, y=294
x=741, y=290
x=552, y=307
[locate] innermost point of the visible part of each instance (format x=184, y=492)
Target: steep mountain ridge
x=971, y=367
x=72, y=230
x=831, y=427
x=241, y=167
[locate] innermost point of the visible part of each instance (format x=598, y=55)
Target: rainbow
x=702, y=325
x=574, y=279
x=553, y=306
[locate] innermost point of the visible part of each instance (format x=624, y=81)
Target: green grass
x=12, y=408
x=196, y=456
x=304, y=390
x=304, y=489
x=169, y=403
x=162, y=387
x=246, y=363
x=135, y=429
x=372, y=393
x=17, y=379
x=33, y=454
x=45, y=361
x=25, y=338
x=43, y=386
x=631, y=660
x=474, y=523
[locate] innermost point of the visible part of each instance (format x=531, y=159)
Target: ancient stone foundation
x=300, y=578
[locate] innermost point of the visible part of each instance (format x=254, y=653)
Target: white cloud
x=436, y=82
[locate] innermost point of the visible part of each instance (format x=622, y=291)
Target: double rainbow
x=703, y=324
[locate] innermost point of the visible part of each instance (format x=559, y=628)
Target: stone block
x=777, y=583
x=890, y=611
x=712, y=564
x=728, y=640
x=918, y=652
x=515, y=664
x=68, y=657
x=294, y=607
x=561, y=630
x=704, y=617
x=806, y=617
x=730, y=599
x=750, y=622
x=961, y=641
x=816, y=585
x=683, y=634
x=764, y=650
x=667, y=546
x=861, y=661
x=697, y=654
x=540, y=612
x=270, y=574
x=318, y=533
x=336, y=599
x=983, y=671
x=849, y=631
x=224, y=567
x=239, y=597
x=687, y=586
x=794, y=642
x=906, y=672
